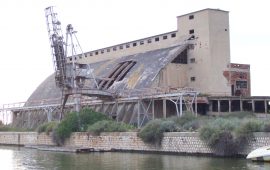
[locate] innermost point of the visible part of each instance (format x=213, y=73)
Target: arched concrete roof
x=46, y=91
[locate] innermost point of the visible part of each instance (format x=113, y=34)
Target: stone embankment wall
x=25, y=138
x=174, y=142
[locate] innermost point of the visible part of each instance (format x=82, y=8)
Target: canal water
x=23, y=159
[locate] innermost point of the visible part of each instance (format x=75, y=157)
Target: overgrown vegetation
x=229, y=135
x=85, y=120
x=153, y=131
x=76, y=122
x=9, y=128
x=109, y=126
x=226, y=134
x=47, y=127
x=239, y=115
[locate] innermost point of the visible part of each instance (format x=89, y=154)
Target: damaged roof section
x=135, y=71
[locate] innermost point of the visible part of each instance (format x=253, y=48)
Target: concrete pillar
x=164, y=108
x=49, y=115
x=138, y=116
x=153, y=109
x=196, y=107
x=181, y=106
x=253, y=105
x=230, y=105
x=241, y=105
x=265, y=106
x=218, y=106
x=210, y=106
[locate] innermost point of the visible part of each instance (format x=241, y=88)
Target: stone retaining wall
x=174, y=142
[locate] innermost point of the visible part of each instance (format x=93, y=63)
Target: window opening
x=191, y=46
x=173, y=35
x=118, y=74
x=157, y=39
x=141, y=42
x=134, y=44
x=96, y=52
x=192, y=78
x=120, y=47
x=241, y=84
x=149, y=41
x=191, y=17
x=108, y=50
x=127, y=45
x=114, y=48
x=192, y=60
x=181, y=58
x=191, y=31
x=165, y=37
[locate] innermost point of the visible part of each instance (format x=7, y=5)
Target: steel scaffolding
x=130, y=108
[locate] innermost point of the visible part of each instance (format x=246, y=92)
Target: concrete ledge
x=261, y=134
x=181, y=134
x=118, y=134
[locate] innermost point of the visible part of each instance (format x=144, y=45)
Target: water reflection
x=22, y=158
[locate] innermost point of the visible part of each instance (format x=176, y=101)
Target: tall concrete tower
x=210, y=55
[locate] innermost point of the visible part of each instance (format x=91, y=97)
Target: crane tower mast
x=57, y=46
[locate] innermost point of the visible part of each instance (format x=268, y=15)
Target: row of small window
x=134, y=44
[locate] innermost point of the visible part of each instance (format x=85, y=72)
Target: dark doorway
x=247, y=106
x=235, y=105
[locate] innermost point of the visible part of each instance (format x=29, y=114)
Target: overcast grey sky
x=25, y=52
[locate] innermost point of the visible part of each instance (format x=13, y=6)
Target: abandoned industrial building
x=153, y=77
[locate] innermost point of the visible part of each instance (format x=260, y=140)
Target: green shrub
x=150, y=132
x=180, y=121
x=9, y=128
x=75, y=122
x=191, y=125
x=240, y=115
x=64, y=129
x=249, y=126
x=4, y=128
x=109, y=126
x=89, y=117
x=153, y=131
x=41, y=128
x=229, y=136
x=168, y=126
x=266, y=127
x=47, y=127
x=212, y=132
x=51, y=126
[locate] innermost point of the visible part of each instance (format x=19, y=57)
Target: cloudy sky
x=25, y=52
